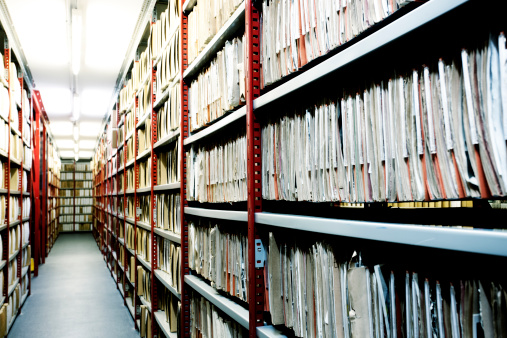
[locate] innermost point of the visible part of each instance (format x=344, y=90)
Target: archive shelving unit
x=54, y=199
x=78, y=183
x=385, y=226
x=16, y=194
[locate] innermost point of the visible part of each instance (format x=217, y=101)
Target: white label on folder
x=427, y=92
x=417, y=112
x=445, y=104
x=138, y=211
x=468, y=94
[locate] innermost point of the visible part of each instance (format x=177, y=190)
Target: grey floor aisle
x=74, y=296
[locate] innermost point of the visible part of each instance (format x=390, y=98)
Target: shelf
x=142, y=120
x=144, y=263
x=24, y=271
x=469, y=240
x=172, y=136
x=163, y=277
x=130, y=192
x=130, y=163
x=145, y=153
x=143, y=83
x=12, y=256
x=2, y=264
x=173, y=237
x=241, y=216
x=188, y=5
x=216, y=126
x=144, y=225
x=131, y=251
x=233, y=24
x=167, y=187
x=130, y=220
x=12, y=287
x=232, y=309
x=398, y=28
x=160, y=317
x=143, y=190
x=122, y=241
x=129, y=135
x=145, y=303
x=172, y=31
x=165, y=95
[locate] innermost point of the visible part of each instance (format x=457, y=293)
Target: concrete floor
x=74, y=296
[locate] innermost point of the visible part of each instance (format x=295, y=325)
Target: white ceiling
x=44, y=31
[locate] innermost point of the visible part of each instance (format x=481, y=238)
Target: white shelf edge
x=144, y=225
x=143, y=262
x=173, y=237
x=143, y=190
x=164, y=326
x=401, y=26
x=144, y=154
x=145, y=303
x=188, y=6
x=163, y=278
x=232, y=309
x=232, y=117
x=469, y=240
x=167, y=187
x=167, y=139
x=241, y=216
x=12, y=287
x=231, y=25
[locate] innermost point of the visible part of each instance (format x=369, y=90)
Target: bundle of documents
x=145, y=327
x=14, y=240
x=26, y=207
x=170, y=304
x=120, y=183
x=16, y=146
x=217, y=173
x=130, y=207
x=169, y=165
x=144, y=136
x=4, y=103
x=130, y=236
x=208, y=321
x=145, y=101
x=168, y=212
x=26, y=128
x=26, y=257
x=141, y=69
x=426, y=135
x=130, y=149
x=27, y=158
x=144, y=205
x=26, y=232
x=161, y=30
x=170, y=261
x=205, y=20
x=220, y=87
x=169, y=66
x=219, y=253
x=130, y=122
x=143, y=243
x=3, y=169
x=297, y=32
x=168, y=118
x=130, y=178
x=127, y=95
x=4, y=135
x=143, y=283
x=16, y=91
x=316, y=294
x=14, y=208
x=145, y=173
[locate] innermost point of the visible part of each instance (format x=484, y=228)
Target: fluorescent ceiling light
x=57, y=100
x=61, y=128
x=85, y=154
x=67, y=153
x=77, y=29
x=45, y=46
x=76, y=148
x=90, y=128
x=76, y=157
x=95, y=102
x=64, y=144
x=76, y=107
x=87, y=144
x=76, y=132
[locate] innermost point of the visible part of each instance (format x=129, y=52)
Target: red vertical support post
x=153, y=208
x=20, y=183
x=125, y=262
x=44, y=195
x=74, y=197
x=184, y=133
x=7, y=63
x=256, y=274
x=136, y=201
x=31, y=185
x=36, y=181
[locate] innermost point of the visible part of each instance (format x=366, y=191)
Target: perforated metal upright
x=253, y=135
x=20, y=185
x=136, y=203
x=153, y=201
x=5, y=239
x=184, y=133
